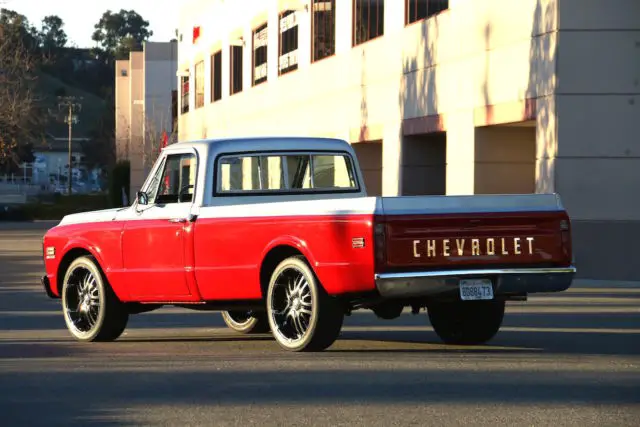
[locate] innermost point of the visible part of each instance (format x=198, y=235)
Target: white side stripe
x=339, y=207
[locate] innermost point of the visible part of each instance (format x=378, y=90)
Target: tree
x=100, y=150
x=119, y=33
x=21, y=119
x=159, y=130
x=17, y=30
x=52, y=35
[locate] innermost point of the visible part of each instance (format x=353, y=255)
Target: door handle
x=178, y=220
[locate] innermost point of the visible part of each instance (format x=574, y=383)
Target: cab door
x=156, y=236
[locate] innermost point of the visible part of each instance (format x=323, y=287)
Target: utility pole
x=72, y=104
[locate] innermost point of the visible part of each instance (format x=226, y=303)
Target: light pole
x=72, y=105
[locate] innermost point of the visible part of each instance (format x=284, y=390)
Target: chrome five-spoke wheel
x=302, y=316
x=91, y=310
x=246, y=322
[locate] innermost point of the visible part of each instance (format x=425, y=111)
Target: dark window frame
x=216, y=76
x=358, y=8
x=413, y=14
x=323, y=27
x=235, y=85
x=293, y=36
x=254, y=53
x=184, y=94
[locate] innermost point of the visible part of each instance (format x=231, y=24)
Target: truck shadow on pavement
x=116, y=395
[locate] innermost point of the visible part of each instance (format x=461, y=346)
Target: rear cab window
x=284, y=173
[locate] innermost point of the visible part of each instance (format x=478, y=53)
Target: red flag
x=164, y=141
x=196, y=34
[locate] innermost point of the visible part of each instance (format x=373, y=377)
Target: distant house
x=52, y=159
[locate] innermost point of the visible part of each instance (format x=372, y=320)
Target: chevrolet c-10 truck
x=280, y=235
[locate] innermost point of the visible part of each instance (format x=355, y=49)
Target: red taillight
x=565, y=233
x=380, y=238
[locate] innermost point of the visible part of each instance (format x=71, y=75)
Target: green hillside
x=48, y=89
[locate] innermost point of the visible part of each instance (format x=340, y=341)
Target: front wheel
x=92, y=312
x=302, y=316
x=466, y=322
x=246, y=322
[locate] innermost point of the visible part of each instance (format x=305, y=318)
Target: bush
x=119, y=177
x=63, y=205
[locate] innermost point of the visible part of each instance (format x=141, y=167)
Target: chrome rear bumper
x=505, y=281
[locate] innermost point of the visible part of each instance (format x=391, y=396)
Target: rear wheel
x=302, y=316
x=466, y=323
x=246, y=322
x=92, y=312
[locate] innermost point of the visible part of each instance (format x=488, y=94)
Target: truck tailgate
x=462, y=232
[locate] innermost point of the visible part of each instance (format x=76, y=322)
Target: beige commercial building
x=146, y=106
x=439, y=97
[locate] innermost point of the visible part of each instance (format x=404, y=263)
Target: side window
x=290, y=172
x=152, y=189
x=299, y=171
x=332, y=172
x=177, y=181
x=246, y=173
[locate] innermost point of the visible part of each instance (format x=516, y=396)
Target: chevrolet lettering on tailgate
x=473, y=247
x=280, y=236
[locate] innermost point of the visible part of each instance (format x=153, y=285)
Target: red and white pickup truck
x=280, y=235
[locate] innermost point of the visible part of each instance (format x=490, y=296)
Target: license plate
x=476, y=289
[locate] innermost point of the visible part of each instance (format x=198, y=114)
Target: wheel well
x=271, y=261
x=66, y=261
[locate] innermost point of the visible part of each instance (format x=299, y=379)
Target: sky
x=80, y=16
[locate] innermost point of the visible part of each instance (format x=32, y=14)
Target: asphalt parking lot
x=567, y=359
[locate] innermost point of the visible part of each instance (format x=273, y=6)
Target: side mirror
x=142, y=198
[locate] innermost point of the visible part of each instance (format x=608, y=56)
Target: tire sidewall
x=304, y=268
x=236, y=326
x=90, y=265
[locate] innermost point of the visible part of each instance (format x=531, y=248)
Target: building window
x=199, y=71
x=216, y=76
x=323, y=29
x=184, y=87
x=368, y=20
x=236, y=69
x=288, y=44
x=260, y=55
x=417, y=10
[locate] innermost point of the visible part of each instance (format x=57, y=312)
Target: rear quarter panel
x=232, y=242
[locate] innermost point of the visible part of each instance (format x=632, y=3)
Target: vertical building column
x=393, y=16
x=206, y=57
x=304, y=37
x=273, y=30
x=192, y=86
x=460, y=153
x=546, y=144
x=226, y=66
x=247, y=58
x=344, y=25
x=392, y=143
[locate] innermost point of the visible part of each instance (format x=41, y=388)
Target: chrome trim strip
x=452, y=273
